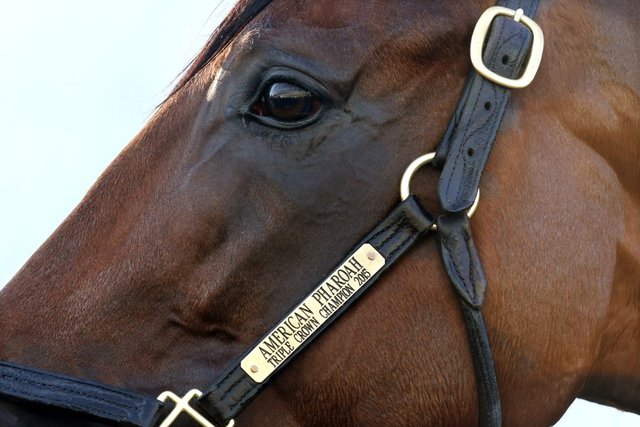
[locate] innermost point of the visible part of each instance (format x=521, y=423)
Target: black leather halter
x=512, y=48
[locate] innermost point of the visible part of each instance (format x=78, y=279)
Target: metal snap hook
x=405, y=182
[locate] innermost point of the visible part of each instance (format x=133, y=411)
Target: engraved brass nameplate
x=308, y=316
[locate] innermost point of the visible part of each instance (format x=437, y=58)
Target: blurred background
x=78, y=80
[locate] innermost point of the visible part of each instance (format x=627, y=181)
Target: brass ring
x=405, y=182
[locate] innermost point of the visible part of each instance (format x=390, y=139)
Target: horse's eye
x=287, y=103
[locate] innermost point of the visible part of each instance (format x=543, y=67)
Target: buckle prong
x=182, y=405
x=519, y=14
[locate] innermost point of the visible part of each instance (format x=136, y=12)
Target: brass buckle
x=182, y=405
x=480, y=34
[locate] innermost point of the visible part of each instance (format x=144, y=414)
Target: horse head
x=284, y=144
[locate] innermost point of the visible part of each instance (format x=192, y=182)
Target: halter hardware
x=413, y=167
x=478, y=40
x=182, y=405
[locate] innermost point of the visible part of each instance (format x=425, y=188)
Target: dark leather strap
x=462, y=263
x=466, y=145
x=460, y=258
x=489, y=407
x=80, y=396
x=463, y=155
x=391, y=238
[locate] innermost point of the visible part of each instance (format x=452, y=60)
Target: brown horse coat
x=210, y=225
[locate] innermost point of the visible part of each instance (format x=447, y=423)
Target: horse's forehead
x=323, y=36
x=329, y=14
x=374, y=15
x=352, y=19
x=294, y=24
x=355, y=29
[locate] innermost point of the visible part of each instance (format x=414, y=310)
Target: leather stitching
x=97, y=386
x=401, y=246
x=461, y=145
x=395, y=223
x=495, y=52
x=230, y=387
x=470, y=275
x=402, y=220
x=470, y=290
x=69, y=390
x=66, y=390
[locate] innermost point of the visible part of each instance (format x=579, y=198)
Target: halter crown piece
x=506, y=50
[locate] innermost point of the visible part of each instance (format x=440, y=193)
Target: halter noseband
x=506, y=49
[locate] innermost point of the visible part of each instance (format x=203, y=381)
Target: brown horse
x=283, y=145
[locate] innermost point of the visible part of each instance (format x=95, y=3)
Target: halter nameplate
x=336, y=289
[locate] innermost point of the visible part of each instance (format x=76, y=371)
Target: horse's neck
x=615, y=377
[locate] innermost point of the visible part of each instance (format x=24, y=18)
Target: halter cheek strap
x=506, y=49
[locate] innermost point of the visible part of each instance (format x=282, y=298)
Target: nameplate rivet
x=371, y=255
x=254, y=369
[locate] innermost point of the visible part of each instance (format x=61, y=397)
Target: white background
x=78, y=79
